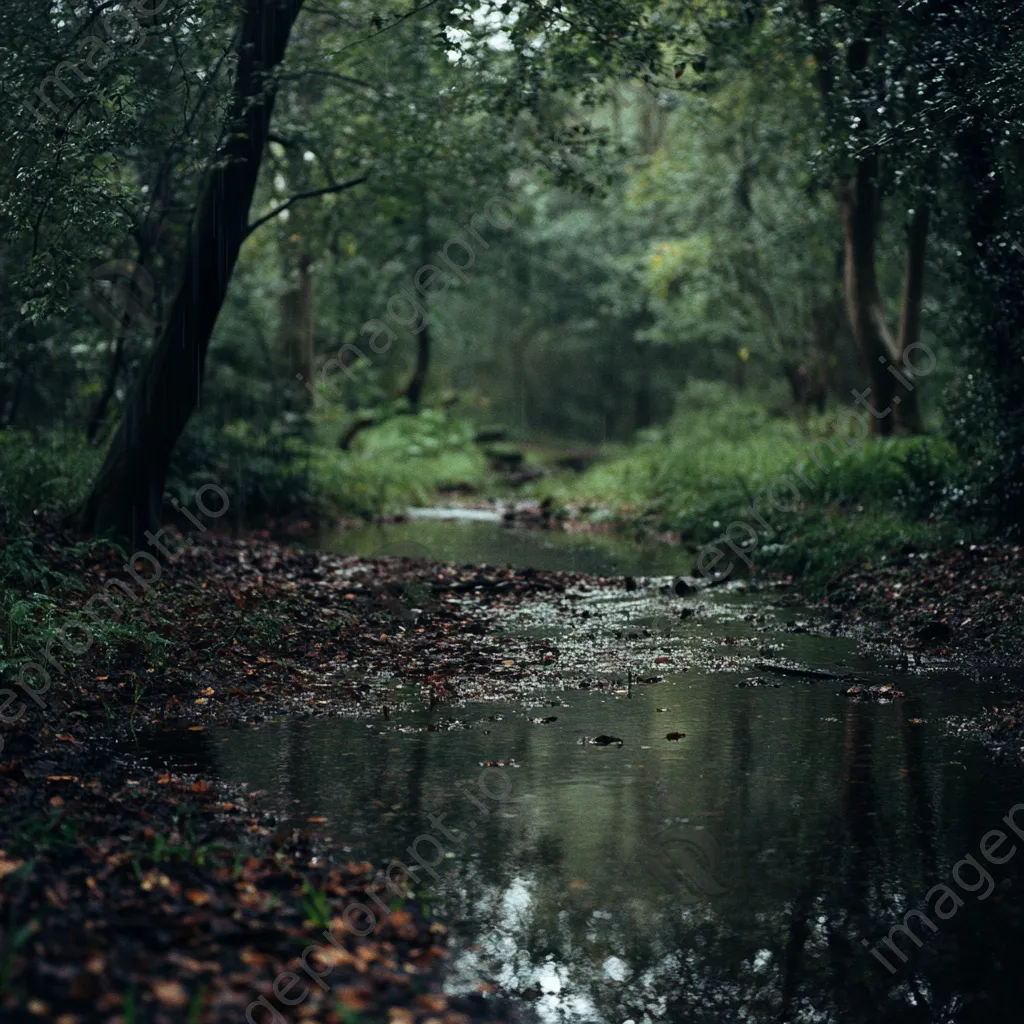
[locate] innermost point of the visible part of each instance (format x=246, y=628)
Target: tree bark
x=99, y=413
x=858, y=211
x=908, y=416
x=418, y=382
x=858, y=201
x=414, y=392
x=296, y=329
x=127, y=494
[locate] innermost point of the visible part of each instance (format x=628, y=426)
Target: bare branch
x=311, y=194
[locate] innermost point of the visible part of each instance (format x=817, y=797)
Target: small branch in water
x=803, y=673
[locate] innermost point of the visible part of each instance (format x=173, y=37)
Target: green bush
x=42, y=477
x=873, y=500
x=397, y=464
x=714, y=454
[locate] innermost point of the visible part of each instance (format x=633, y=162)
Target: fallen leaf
x=170, y=993
x=432, y=1002
x=7, y=866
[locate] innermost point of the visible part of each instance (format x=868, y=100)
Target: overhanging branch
x=310, y=194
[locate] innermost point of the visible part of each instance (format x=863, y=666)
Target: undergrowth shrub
x=42, y=477
x=399, y=463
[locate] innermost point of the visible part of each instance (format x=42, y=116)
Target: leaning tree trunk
x=127, y=494
x=858, y=211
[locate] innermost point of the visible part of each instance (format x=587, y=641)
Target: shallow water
x=470, y=542
x=729, y=875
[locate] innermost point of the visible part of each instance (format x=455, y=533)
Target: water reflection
x=474, y=542
x=733, y=875
x=577, y=893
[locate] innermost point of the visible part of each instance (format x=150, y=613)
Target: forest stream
x=735, y=846
x=511, y=512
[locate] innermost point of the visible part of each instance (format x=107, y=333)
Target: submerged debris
x=601, y=741
x=787, y=669
x=880, y=692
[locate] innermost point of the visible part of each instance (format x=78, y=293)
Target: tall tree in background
x=865, y=77
x=127, y=495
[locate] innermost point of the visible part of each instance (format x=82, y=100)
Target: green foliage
x=397, y=464
x=721, y=453
x=316, y=905
x=821, y=543
x=41, y=480
x=42, y=476
x=262, y=464
x=672, y=275
x=717, y=449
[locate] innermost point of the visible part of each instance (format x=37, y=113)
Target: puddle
x=731, y=874
x=471, y=541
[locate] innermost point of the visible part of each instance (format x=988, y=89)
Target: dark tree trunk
x=987, y=204
x=858, y=212
x=99, y=414
x=642, y=398
x=858, y=199
x=127, y=495
x=414, y=392
x=297, y=327
x=908, y=416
